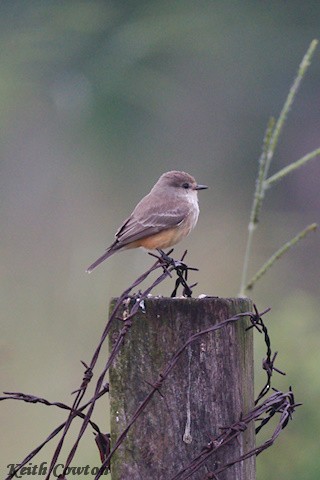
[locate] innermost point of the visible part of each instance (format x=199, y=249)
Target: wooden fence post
x=209, y=387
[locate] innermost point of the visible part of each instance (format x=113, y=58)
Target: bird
x=161, y=219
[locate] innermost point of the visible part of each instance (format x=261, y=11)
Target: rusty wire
x=277, y=403
x=129, y=304
x=268, y=362
x=167, y=265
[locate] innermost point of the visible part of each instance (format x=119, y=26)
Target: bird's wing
x=149, y=218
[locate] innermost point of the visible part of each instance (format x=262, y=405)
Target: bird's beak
x=200, y=187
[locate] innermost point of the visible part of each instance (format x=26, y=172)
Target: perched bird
x=161, y=219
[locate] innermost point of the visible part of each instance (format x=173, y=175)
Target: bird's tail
x=101, y=259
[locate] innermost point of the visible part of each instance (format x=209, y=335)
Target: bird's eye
x=186, y=185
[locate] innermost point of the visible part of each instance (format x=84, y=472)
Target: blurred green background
x=97, y=99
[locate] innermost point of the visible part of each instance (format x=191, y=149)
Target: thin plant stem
x=279, y=253
x=257, y=202
x=290, y=168
x=262, y=174
x=270, y=142
x=289, y=101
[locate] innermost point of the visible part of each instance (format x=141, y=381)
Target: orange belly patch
x=163, y=239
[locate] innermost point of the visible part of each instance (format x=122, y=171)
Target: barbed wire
x=125, y=309
x=167, y=265
x=282, y=403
